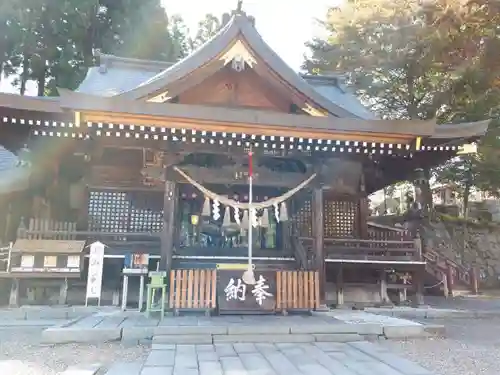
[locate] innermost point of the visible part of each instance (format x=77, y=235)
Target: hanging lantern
x=226, y=222
x=283, y=212
x=206, y=208
x=276, y=212
x=244, y=221
x=237, y=216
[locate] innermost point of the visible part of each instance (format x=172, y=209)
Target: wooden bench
x=297, y=290
x=193, y=290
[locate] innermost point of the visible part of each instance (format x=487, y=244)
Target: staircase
x=444, y=275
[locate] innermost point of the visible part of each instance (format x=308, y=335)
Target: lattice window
x=121, y=212
x=108, y=211
x=303, y=219
x=146, y=212
x=340, y=219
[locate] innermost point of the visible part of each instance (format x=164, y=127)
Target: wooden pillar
x=384, y=297
x=363, y=209
x=363, y=218
x=474, y=280
x=63, y=292
x=167, y=239
x=318, y=236
x=14, y=293
x=449, y=279
x=418, y=279
x=339, y=284
x=444, y=280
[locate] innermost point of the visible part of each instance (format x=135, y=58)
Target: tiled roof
x=114, y=80
x=136, y=79
x=116, y=75
x=330, y=88
x=8, y=160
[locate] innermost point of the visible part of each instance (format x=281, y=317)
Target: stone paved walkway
x=361, y=358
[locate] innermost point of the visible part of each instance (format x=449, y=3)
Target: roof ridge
x=197, y=50
x=109, y=60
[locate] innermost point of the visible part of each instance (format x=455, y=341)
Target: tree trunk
x=24, y=74
x=90, y=39
x=41, y=80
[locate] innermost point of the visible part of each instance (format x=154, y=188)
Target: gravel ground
x=471, y=348
x=21, y=354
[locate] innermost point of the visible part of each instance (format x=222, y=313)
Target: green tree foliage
x=207, y=28
x=409, y=59
x=53, y=42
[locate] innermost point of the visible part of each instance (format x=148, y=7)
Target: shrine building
x=149, y=157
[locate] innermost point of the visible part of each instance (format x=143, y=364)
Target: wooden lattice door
x=340, y=218
x=303, y=219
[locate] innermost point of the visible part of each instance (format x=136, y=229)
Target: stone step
x=183, y=339
x=125, y=368
x=83, y=370
x=161, y=341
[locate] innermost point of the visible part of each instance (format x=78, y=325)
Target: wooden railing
x=43, y=229
x=371, y=250
x=56, y=230
x=444, y=268
x=441, y=267
x=380, y=232
x=297, y=290
x=355, y=249
x=193, y=290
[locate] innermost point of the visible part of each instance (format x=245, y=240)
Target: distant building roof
x=331, y=88
x=13, y=172
x=116, y=75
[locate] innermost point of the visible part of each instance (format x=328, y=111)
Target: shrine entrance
x=205, y=233
x=216, y=214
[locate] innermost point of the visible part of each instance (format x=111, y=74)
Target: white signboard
x=94, y=277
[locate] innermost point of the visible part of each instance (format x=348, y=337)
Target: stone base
x=79, y=335
x=321, y=327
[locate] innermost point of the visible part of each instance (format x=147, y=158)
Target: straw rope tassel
x=226, y=221
x=206, y=208
x=283, y=212
x=244, y=221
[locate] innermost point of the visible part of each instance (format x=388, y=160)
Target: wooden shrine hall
x=151, y=157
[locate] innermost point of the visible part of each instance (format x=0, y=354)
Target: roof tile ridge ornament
x=197, y=51
x=240, y=12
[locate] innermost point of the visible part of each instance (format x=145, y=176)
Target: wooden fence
x=297, y=290
x=40, y=229
x=193, y=290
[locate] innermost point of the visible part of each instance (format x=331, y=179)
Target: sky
x=284, y=24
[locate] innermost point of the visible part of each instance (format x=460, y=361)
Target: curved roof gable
x=218, y=51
